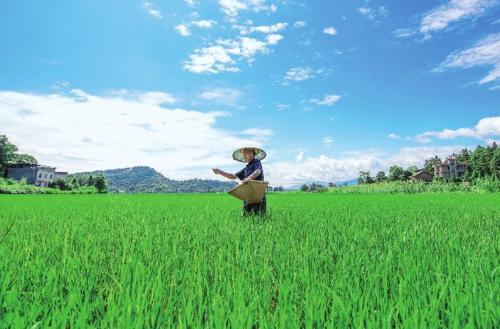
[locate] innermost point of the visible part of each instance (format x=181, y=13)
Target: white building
x=34, y=174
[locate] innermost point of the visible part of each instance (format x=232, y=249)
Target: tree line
x=9, y=157
x=483, y=162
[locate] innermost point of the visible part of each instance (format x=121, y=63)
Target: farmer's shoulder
x=256, y=163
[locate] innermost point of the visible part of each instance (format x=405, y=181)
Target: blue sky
x=328, y=88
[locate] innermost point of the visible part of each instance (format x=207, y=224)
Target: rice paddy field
x=189, y=261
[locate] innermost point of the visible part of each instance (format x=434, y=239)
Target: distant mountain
x=347, y=182
x=147, y=180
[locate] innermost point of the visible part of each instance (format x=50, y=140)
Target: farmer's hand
x=217, y=171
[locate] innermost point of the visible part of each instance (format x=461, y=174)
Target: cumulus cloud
x=78, y=131
x=151, y=10
x=226, y=96
x=486, y=129
x=330, y=30
x=224, y=54
x=232, y=7
x=183, y=30
x=393, y=136
x=485, y=53
x=204, y=23
x=266, y=29
x=327, y=100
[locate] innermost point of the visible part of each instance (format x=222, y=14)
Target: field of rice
x=188, y=261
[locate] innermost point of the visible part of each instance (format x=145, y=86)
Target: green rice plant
x=191, y=261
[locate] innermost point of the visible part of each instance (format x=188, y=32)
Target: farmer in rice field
x=252, y=171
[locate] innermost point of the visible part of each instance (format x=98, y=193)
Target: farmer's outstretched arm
x=225, y=174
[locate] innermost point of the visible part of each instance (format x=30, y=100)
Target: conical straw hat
x=238, y=154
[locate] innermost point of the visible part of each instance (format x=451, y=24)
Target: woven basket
x=251, y=191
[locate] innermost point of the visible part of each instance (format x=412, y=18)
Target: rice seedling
x=189, y=261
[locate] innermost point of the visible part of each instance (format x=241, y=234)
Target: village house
x=316, y=187
x=35, y=174
x=422, y=176
x=450, y=168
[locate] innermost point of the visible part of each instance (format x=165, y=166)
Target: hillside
x=147, y=180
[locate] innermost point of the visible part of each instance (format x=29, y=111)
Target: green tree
x=429, y=164
x=380, y=176
x=412, y=169
x=100, y=184
x=365, y=178
x=464, y=156
x=60, y=184
x=9, y=156
x=480, y=161
x=73, y=182
x=396, y=173
x=495, y=163
x=304, y=188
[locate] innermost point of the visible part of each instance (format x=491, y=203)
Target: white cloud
x=486, y=129
x=442, y=16
x=300, y=156
x=324, y=168
x=273, y=39
x=183, y=30
x=299, y=74
x=151, y=10
x=226, y=96
x=393, y=136
x=266, y=29
x=206, y=24
x=330, y=30
x=299, y=24
x=232, y=7
x=190, y=2
x=403, y=33
x=328, y=100
x=374, y=14
x=224, y=55
x=81, y=131
x=485, y=52
x=282, y=107
x=258, y=132
x=328, y=141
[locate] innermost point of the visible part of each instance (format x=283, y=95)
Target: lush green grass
x=10, y=186
x=160, y=261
